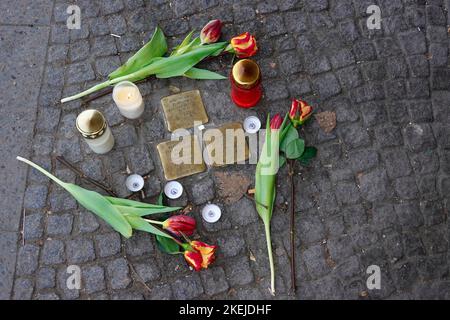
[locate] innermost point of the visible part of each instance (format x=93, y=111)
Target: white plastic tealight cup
x=252, y=124
x=211, y=213
x=173, y=190
x=134, y=182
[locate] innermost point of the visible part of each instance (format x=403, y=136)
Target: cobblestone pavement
x=377, y=194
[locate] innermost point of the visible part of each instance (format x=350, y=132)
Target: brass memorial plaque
x=183, y=109
x=226, y=145
x=181, y=158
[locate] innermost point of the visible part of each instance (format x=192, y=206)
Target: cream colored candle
x=128, y=99
x=95, y=131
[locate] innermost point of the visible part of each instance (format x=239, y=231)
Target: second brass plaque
x=226, y=145
x=183, y=109
x=181, y=158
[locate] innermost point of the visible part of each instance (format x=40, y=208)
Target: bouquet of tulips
x=151, y=59
x=124, y=215
x=282, y=143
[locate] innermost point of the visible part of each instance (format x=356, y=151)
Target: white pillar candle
x=95, y=131
x=128, y=99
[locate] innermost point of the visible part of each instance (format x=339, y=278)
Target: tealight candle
x=128, y=99
x=173, y=190
x=134, y=182
x=211, y=213
x=95, y=131
x=252, y=124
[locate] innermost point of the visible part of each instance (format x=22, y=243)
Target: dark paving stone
x=118, y=272
x=27, y=259
x=80, y=250
x=188, y=287
x=23, y=289
x=93, y=279
x=45, y=278
x=53, y=252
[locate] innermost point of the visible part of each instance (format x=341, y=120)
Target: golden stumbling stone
x=184, y=110
x=181, y=158
x=226, y=145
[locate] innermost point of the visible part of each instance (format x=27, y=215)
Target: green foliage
x=149, y=61
x=140, y=224
x=199, y=74
x=122, y=215
x=156, y=47
x=167, y=245
x=294, y=148
x=307, y=156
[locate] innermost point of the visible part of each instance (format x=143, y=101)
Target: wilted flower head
x=244, y=45
x=199, y=254
x=300, y=112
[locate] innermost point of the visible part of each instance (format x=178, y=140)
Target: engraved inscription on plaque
x=226, y=145
x=183, y=109
x=181, y=158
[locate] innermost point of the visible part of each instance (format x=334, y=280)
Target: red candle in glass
x=245, y=80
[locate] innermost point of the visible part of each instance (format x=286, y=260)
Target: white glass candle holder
x=95, y=131
x=128, y=99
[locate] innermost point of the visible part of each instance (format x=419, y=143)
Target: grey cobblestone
x=45, y=278
x=118, y=272
x=378, y=192
x=53, y=252
x=80, y=250
x=108, y=244
x=27, y=260
x=94, y=279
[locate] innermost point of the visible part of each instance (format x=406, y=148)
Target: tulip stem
x=269, y=250
x=290, y=163
x=154, y=221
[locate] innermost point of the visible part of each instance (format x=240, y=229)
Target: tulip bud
x=181, y=224
x=211, y=31
x=300, y=112
x=244, y=45
x=276, y=122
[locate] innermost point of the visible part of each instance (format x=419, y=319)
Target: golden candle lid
x=246, y=73
x=91, y=124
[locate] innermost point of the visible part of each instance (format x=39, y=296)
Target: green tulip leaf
x=202, y=74
x=92, y=201
x=156, y=47
x=295, y=148
x=167, y=245
x=141, y=212
x=140, y=224
x=290, y=135
x=307, y=156
x=282, y=161
x=160, y=200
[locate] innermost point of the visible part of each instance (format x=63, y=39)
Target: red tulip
x=300, y=112
x=276, y=122
x=207, y=252
x=194, y=258
x=181, y=224
x=211, y=31
x=244, y=45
